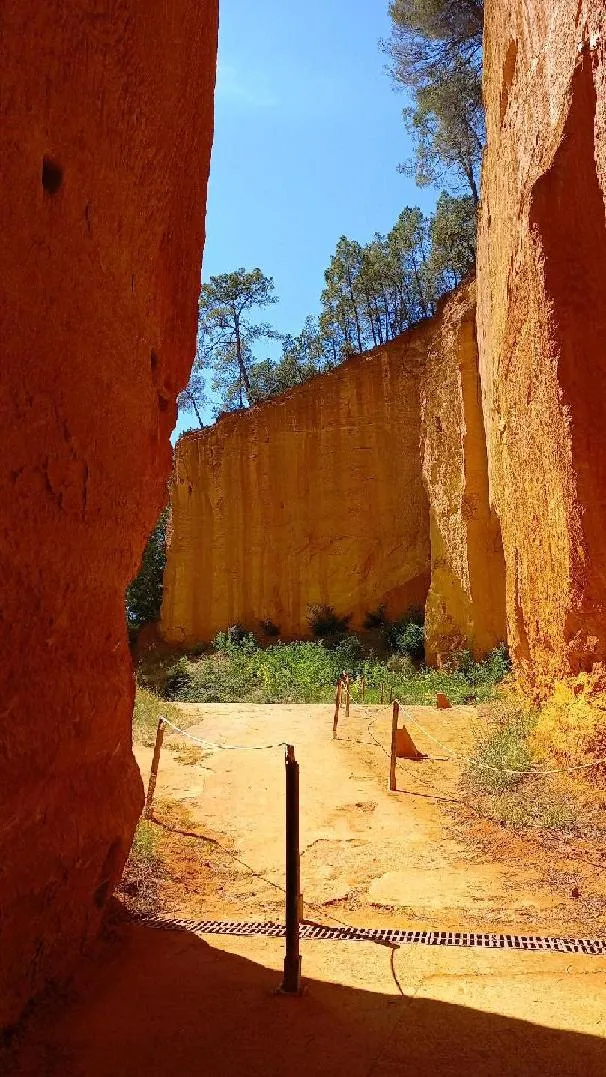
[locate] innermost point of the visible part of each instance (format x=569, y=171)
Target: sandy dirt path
x=368, y=856
x=172, y=1004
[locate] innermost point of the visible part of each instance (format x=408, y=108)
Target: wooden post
x=392, y=758
x=291, y=984
x=347, y=689
x=153, y=777
x=335, y=720
x=362, y=687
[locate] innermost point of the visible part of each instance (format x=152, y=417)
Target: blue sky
x=308, y=136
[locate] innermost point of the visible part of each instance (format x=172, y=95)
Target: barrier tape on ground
x=384, y=936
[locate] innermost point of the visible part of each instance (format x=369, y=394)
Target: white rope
x=224, y=747
x=536, y=767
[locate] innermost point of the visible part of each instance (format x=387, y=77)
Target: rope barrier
x=224, y=747
x=536, y=767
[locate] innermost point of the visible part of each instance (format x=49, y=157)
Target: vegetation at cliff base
x=519, y=780
x=238, y=670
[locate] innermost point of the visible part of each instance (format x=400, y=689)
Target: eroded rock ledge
x=466, y=602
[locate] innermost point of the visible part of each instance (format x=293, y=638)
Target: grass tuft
x=149, y=708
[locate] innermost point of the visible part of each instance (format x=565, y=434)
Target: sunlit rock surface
x=466, y=602
x=542, y=325
x=315, y=497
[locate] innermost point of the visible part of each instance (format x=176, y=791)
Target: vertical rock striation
x=466, y=602
x=106, y=133
x=315, y=497
x=542, y=325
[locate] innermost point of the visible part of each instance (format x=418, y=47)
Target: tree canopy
x=228, y=335
x=144, y=594
x=372, y=293
x=435, y=51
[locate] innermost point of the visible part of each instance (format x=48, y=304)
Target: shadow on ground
x=166, y=1004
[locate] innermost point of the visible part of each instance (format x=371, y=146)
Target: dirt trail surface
x=165, y=1003
x=368, y=857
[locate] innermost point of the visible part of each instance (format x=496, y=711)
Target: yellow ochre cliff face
x=542, y=325
x=347, y=491
x=315, y=497
x=466, y=602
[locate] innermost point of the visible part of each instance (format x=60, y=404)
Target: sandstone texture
x=315, y=497
x=466, y=601
x=105, y=132
x=542, y=326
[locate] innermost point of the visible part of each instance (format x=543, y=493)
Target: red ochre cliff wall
x=99, y=275
x=466, y=601
x=542, y=325
x=315, y=497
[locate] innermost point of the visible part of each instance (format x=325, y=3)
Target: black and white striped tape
x=385, y=936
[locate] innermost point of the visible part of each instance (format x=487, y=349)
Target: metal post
x=335, y=720
x=291, y=983
x=153, y=777
x=362, y=686
x=394, y=733
x=382, y=690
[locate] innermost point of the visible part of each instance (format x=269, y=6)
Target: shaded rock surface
x=106, y=132
x=542, y=326
x=466, y=601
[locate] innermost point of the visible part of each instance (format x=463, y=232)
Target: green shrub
x=325, y=622
x=178, y=680
x=513, y=785
x=535, y=803
x=501, y=757
x=145, y=844
x=376, y=619
x=411, y=641
x=235, y=637
x=406, y=635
